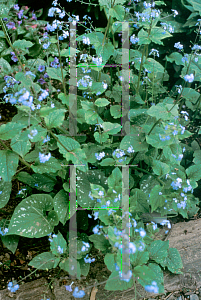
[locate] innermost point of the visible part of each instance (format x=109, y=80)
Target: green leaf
x=8, y=164
x=5, y=191
x=43, y=261
x=100, y=242
x=84, y=267
x=117, y=12
x=133, y=141
x=177, y=57
x=139, y=258
x=69, y=143
x=55, y=73
x=109, y=261
x=156, y=200
x=173, y=261
x=114, y=283
x=138, y=201
x=10, y=242
x=143, y=37
x=194, y=172
x=197, y=157
x=66, y=263
x=100, y=102
x=37, y=181
x=101, y=138
x=190, y=94
x=78, y=157
x=61, y=206
x=146, y=274
x=83, y=185
x=157, y=34
x=34, y=217
x=69, y=52
x=5, y=66
x=10, y=130
x=22, y=44
x=111, y=128
x=107, y=162
x=55, y=118
x=104, y=3
x=58, y=241
x=115, y=111
x=20, y=144
x=105, y=51
x=160, y=111
x=115, y=179
x=158, y=250
x=160, y=168
x=52, y=165
x=5, y=7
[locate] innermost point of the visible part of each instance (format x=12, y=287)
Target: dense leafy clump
x=103, y=134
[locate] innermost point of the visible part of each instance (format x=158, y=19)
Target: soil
x=15, y=266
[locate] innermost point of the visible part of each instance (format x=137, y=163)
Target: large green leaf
x=10, y=130
x=34, y=217
x=43, y=261
x=55, y=73
x=37, y=181
x=117, y=12
x=52, y=165
x=133, y=141
x=8, y=164
x=55, y=118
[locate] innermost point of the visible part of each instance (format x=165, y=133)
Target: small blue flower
x=99, y=156
x=60, y=250
x=175, y=132
x=178, y=46
x=152, y=288
x=130, y=149
x=78, y=294
x=12, y=288
x=41, y=68
x=189, y=78
x=43, y=158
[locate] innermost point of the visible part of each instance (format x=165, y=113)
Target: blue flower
x=99, y=156
x=154, y=52
x=78, y=294
x=12, y=288
x=41, y=68
x=133, y=39
x=182, y=204
x=176, y=185
x=130, y=149
x=152, y=288
x=16, y=7
x=43, y=158
x=60, y=250
x=189, y=78
x=178, y=46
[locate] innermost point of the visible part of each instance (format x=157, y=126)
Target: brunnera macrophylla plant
x=144, y=155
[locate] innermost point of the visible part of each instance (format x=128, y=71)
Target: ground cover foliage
x=148, y=154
